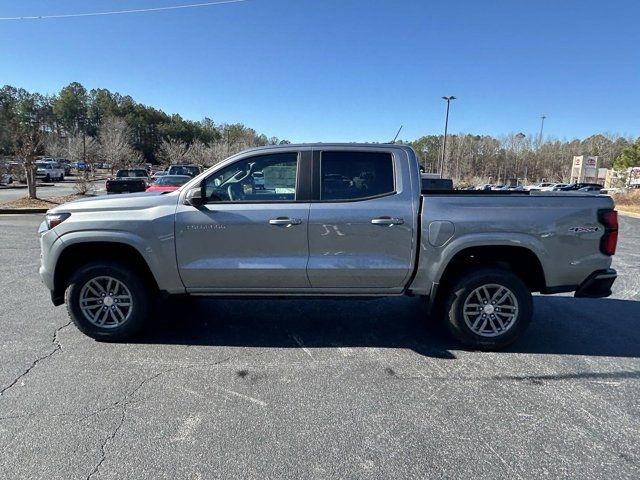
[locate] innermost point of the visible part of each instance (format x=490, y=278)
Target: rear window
x=191, y=170
x=173, y=180
x=355, y=175
x=131, y=173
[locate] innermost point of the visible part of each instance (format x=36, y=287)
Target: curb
x=628, y=214
x=10, y=211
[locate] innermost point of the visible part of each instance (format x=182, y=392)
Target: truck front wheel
x=107, y=301
x=488, y=308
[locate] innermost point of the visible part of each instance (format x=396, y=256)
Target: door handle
x=285, y=221
x=387, y=221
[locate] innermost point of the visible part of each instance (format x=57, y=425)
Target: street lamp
x=542, y=118
x=520, y=137
x=446, y=125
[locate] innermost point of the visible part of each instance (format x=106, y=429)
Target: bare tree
x=173, y=151
x=56, y=146
x=82, y=148
x=29, y=145
x=114, y=135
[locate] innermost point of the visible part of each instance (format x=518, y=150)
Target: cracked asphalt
x=316, y=389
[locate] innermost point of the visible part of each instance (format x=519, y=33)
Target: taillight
x=609, y=241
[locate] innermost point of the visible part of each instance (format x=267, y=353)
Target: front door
x=252, y=232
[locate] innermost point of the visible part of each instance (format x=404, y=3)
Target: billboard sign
x=590, y=167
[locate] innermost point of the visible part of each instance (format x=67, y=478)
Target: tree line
x=474, y=159
x=99, y=125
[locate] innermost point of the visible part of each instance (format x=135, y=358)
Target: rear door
x=362, y=221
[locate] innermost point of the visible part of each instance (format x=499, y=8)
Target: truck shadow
x=561, y=325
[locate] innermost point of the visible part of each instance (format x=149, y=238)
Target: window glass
x=191, y=170
x=264, y=178
x=173, y=180
x=131, y=173
x=354, y=175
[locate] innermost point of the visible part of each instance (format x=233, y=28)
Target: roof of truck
x=319, y=145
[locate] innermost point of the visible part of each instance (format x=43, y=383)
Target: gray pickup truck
x=328, y=220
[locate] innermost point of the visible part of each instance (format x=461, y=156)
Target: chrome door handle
x=285, y=221
x=387, y=221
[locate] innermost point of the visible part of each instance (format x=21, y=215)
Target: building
x=585, y=170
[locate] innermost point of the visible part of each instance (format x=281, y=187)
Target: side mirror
x=194, y=197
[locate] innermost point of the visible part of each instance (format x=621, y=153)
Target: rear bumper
x=598, y=284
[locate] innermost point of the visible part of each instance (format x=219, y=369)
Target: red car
x=168, y=183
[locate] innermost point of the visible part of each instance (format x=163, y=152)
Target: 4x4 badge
x=584, y=229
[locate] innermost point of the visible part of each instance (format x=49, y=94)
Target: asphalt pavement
x=56, y=189
x=316, y=389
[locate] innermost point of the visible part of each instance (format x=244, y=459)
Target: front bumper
x=598, y=284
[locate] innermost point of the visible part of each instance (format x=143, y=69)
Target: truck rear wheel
x=488, y=308
x=107, y=301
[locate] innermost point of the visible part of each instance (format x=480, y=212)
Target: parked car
x=65, y=165
x=539, y=187
x=591, y=189
x=191, y=170
x=578, y=186
x=168, y=183
x=128, y=180
x=158, y=175
x=48, y=170
x=555, y=187
x=475, y=256
x=83, y=166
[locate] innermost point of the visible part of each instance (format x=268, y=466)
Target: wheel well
x=75, y=256
x=519, y=260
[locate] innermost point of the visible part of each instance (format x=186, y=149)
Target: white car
x=11, y=172
x=49, y=170
x=541, y=187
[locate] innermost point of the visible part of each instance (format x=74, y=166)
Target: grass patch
x=628, y=201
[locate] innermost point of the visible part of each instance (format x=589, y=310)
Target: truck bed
x=561, y=229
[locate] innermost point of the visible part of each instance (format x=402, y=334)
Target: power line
x=122, y=12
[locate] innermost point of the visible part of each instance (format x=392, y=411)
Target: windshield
x=173, y=180
x=131, y=173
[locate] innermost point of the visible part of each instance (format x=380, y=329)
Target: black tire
x=47, y=178
x=62, y=178
x=140, y=294
x=462, y=289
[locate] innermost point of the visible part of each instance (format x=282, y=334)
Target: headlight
x=55, y=219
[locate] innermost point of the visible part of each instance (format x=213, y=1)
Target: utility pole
x=446, y=125
x=520, y=137
x=541, y=130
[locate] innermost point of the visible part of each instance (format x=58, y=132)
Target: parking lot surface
x=57, y=189
x=316, y=389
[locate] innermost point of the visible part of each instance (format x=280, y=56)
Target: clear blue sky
x=347, y=70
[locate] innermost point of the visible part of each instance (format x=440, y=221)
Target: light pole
x=520, y=137
x=541, y=129
x=446, y=125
